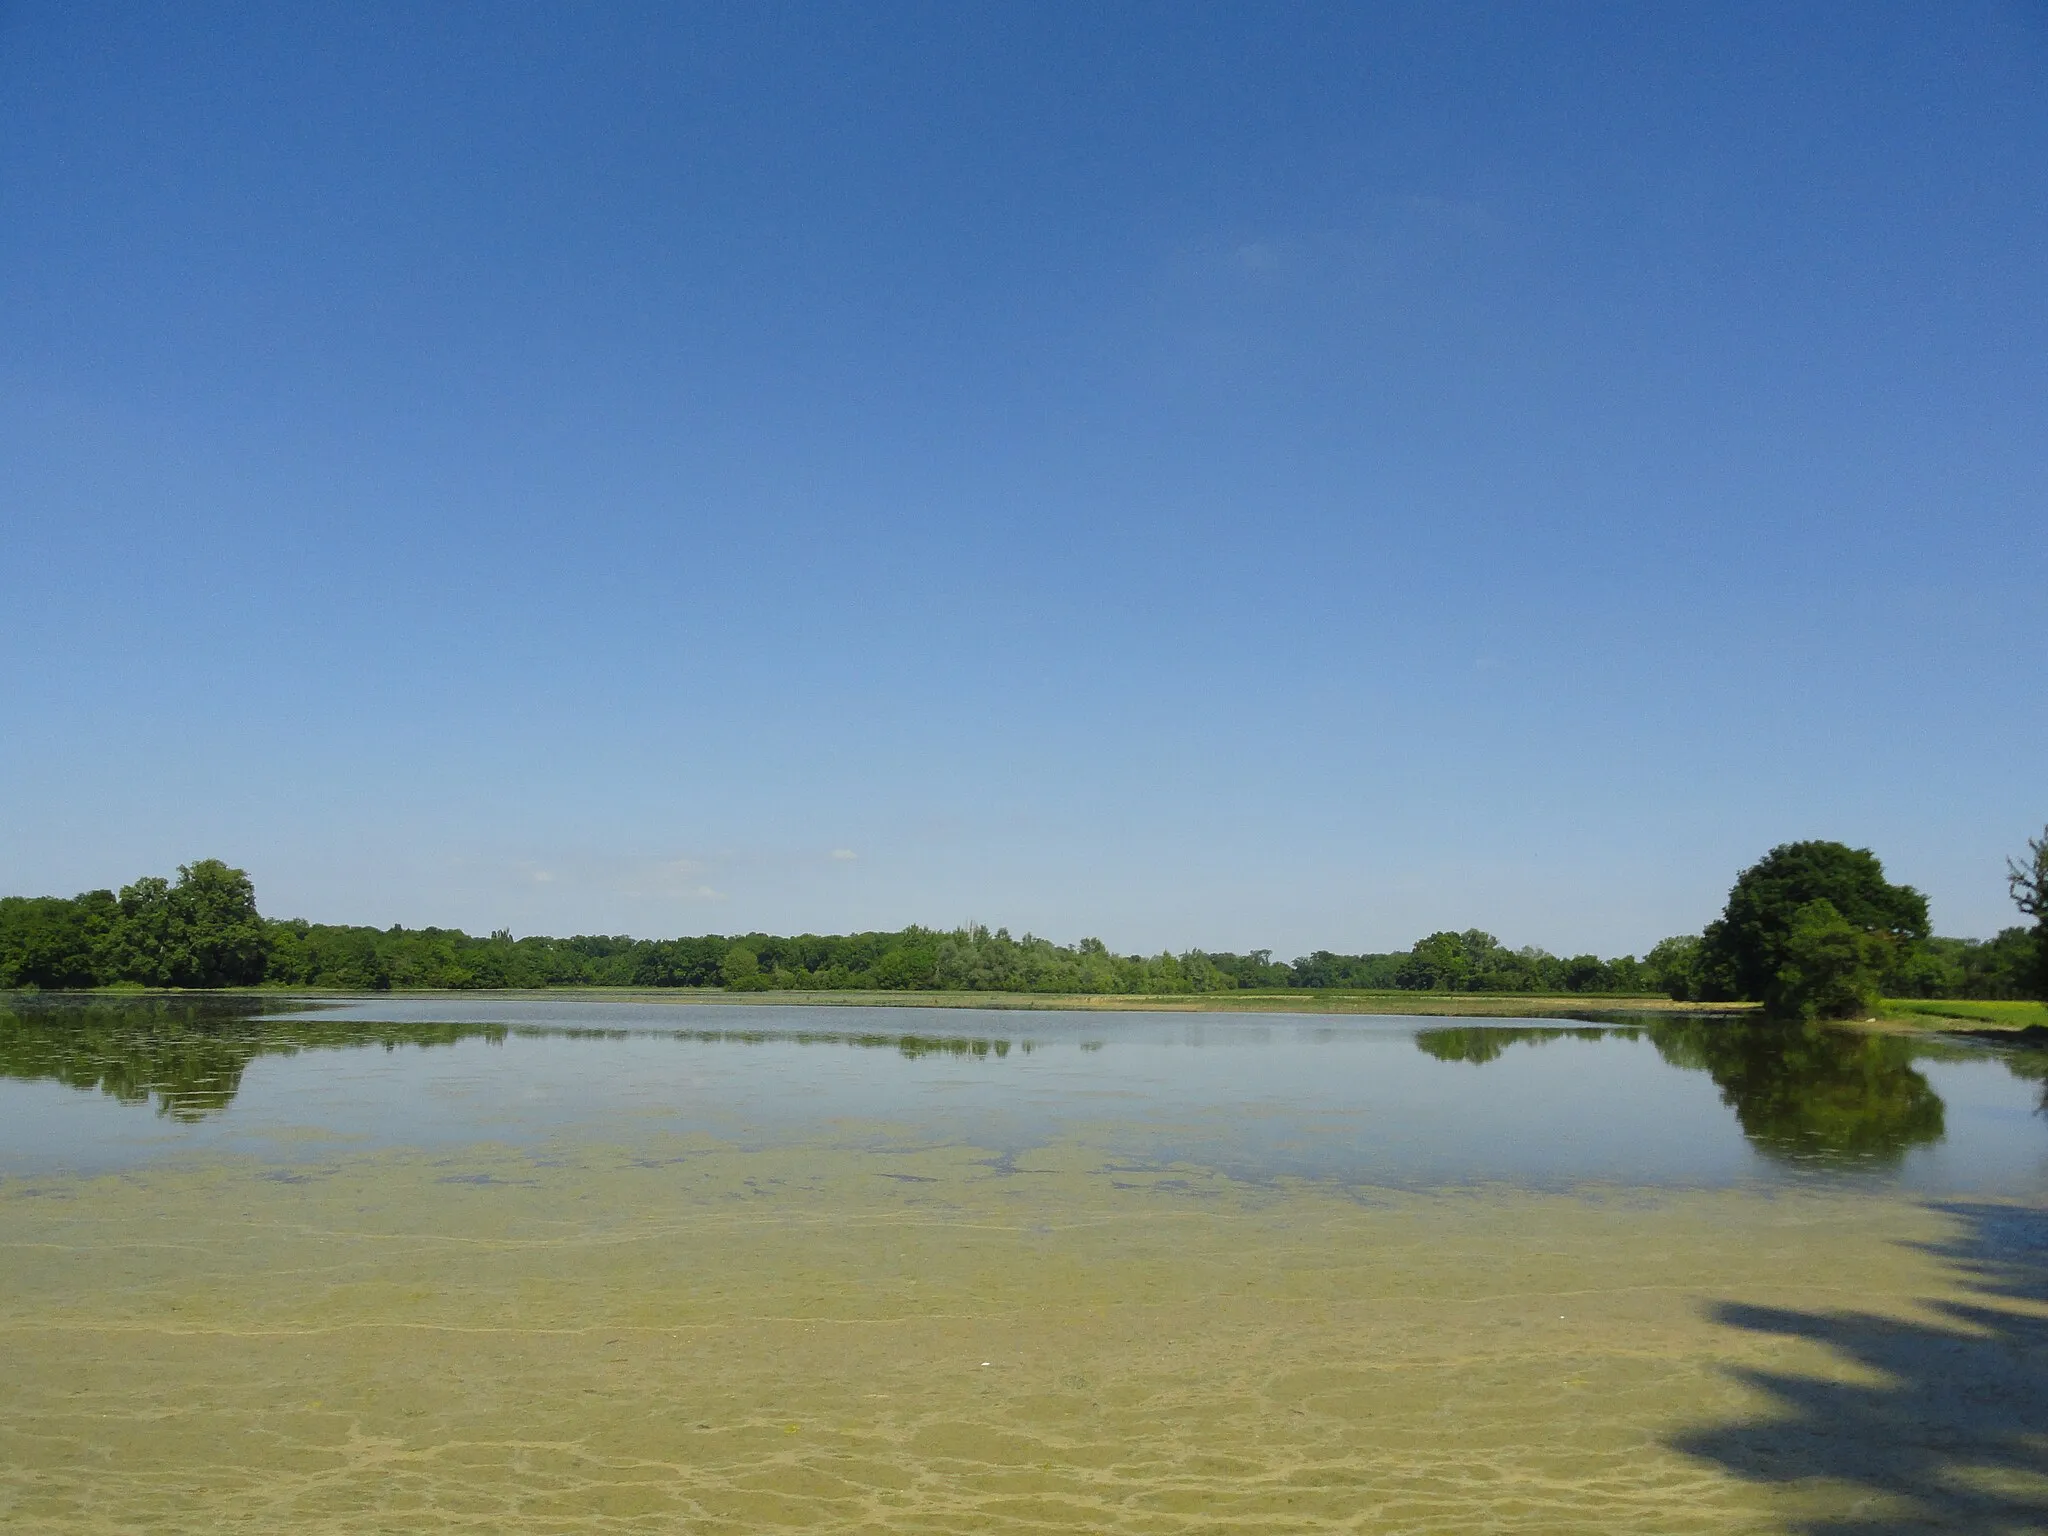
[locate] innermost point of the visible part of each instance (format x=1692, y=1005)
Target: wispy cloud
x=640, y=877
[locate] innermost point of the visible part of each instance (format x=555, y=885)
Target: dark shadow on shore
x=1955, y=1437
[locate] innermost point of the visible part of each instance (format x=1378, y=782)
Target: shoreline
x=2009, y=1022
x=1302, y=1001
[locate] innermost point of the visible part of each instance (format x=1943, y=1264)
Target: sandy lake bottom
x=860, y=1326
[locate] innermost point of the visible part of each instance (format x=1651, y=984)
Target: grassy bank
x=1960, y=1014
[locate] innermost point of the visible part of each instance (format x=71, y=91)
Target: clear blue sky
x=1270, y=475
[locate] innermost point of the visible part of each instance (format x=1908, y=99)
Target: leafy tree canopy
x=1743, y=953
x=1830, y=969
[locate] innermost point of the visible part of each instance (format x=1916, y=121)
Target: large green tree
x=2028, y=881
x=1829, y=969
x=1758, y=934
x=204, y=931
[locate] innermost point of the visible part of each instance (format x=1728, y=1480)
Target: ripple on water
x=682, y=1334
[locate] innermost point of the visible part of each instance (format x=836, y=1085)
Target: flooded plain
x=494, y=1265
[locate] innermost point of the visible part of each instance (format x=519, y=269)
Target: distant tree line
x=204, y=930
x=1813, y=930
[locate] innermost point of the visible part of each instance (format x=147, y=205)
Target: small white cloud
x=638, y=877
x=844, y=855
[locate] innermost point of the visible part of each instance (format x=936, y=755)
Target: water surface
x=514, y=1265
x=1383, y=1100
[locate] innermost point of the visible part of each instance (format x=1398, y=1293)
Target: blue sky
x=1279, y=476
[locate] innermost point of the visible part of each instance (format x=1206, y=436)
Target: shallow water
x=618, y=1266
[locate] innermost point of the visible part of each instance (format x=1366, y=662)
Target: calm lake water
x=1381, y=1100
x=546, y=1265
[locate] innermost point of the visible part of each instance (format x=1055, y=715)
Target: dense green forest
x=204, y=930
x=1813, y=930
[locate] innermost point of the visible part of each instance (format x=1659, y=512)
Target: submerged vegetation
x=1811, y=931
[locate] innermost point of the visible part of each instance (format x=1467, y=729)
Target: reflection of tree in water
x=910, y=1047
x=1479, y=1046
x=1807, y=1091
x=186, y=1054
x=1798, y=1091
x=2030, y=1064
x=1944, y=1427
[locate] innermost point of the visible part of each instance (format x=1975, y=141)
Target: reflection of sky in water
x=1258, y=1096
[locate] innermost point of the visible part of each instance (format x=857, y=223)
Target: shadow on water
x=1954, y=1434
